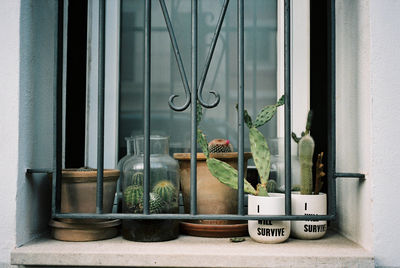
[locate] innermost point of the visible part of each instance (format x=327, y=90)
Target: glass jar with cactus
x=309, y=200
x=164, y=191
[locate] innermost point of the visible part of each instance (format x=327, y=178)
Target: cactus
x=133, y=196
x=137, y=178
x=259, y=148
x=220, y=146
x=306, y=151
x=166, y=190
x=319, y=173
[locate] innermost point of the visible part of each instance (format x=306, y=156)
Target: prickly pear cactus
x=220, y=146
x=166, y=190
x=259, y=148
x=133, y=196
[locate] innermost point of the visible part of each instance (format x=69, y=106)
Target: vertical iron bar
x=331, y=110
x=147, y=81
x=193, y=160
x=287, y=74
x=240, y=18
x=100, y=108
x=57, y=113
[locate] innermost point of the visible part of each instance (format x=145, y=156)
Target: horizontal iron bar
x=193, y=217
x=39, y=170
x=349, y=175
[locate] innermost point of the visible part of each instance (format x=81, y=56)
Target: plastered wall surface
x=37, y=78
x=385, y=90
x=353, y=120
x=9, y=118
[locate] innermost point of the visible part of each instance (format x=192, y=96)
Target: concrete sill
x=187, y=251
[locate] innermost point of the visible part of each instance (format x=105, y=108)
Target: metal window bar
x=192, y=98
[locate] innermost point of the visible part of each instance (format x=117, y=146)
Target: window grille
x=193, y=93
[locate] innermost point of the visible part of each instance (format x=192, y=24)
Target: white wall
x=9, y=103
x=353, y=111
x=26, y=83
x=385, y=90
x=37, y=78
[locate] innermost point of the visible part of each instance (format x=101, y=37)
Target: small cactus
x=220, y=146
x=137, y=178
x=306, y=151
x=133, y=196
x=166, y=190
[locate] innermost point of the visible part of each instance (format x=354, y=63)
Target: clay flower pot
x=263, y=231
x=308, y=205
x=213, y=197
x=78, y=195
x=78, y=190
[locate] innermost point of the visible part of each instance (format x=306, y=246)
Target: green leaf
x=261, y=154
x=227, y=175
x=202, y=141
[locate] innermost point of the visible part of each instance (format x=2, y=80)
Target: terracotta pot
x=78, y=190
x=308, y=205
x=263, y=231
x=213, y=197
x=78, y=195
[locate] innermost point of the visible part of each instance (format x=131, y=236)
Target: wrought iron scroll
x=181, y=67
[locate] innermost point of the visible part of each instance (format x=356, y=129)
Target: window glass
x=220, y=122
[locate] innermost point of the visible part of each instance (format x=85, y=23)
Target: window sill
x=187, y=251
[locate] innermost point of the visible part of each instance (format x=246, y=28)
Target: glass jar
x=117, y=207
x=164, y=191
x=276, y=146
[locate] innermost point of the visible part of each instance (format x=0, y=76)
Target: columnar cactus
x=306, y=151
x=259, y=148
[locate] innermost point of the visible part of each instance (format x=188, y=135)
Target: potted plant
x=213, y=197
x=78, y=195
x=261, y=201
x=309, y=200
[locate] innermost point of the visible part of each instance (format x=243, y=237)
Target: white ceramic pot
x=270, y=232
x=308, y=205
